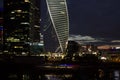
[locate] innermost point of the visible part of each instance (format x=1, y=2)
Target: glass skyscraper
x=56, y=30
x=21, y=25
x=1, y=30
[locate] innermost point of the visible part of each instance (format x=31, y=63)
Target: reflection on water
x=40, y=77
x=58, y=77
x=117, y=75
x=103, y=75
x=109, y=74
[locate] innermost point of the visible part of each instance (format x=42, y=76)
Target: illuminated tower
x=57, y=28
x=21, y=25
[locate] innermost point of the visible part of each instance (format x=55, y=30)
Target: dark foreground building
x=1, y=30
x=21, y=25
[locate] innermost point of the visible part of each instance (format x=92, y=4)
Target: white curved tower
x=58, y=14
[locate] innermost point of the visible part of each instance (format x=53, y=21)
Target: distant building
x=1, y=31
x=56, y=30
x=1, y=34
x=21, y=25
x=73, y=47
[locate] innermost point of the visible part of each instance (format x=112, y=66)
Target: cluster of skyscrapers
x=21, y=27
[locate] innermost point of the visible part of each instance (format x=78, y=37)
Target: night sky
x=1, y=5
x=98, y=19
x=95, y=18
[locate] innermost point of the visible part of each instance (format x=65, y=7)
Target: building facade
x=1, y=30
x=56, y=30
x=21, y=26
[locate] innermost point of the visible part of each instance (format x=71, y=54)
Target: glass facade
x=1, y=31
x=59, y=22
x=20, y=26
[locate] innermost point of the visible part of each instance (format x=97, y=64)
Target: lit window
x=25, y=12
x=23, y=16
x=103, y=58
x=26, y=0
x=12, y=12
x=19, y=11
x=62, y=3
x=12, y=17
x=25, y=23
x=18, y=46
x=62, y=12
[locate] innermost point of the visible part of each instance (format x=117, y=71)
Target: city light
x=36, y=45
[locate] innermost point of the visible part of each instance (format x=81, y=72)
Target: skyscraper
x=1, y=30
x=21, y=24
x=56, y=30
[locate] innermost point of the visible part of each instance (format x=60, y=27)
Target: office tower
x=1, y=30
x=21, y=26
x=56, y=30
